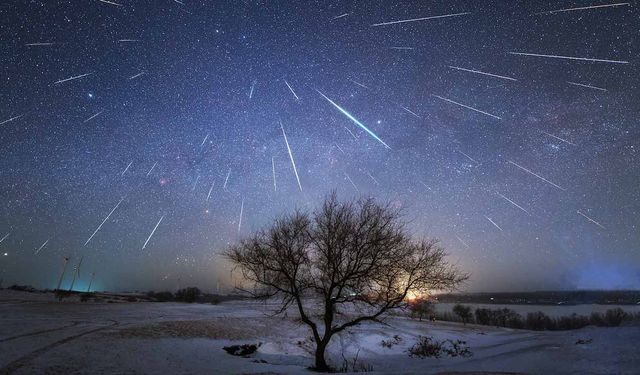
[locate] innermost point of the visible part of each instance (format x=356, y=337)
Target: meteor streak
x=127, y=168
x=224, y=187
x=152, y=232
x=253, y=85
x=339, y=148
x=136, y=76
x=359, y=84
x=569, y=57
x=344, y=112
x=41, y=247
x=72, y=78
x=352, y=183
x=204, y=140
x=582, y=8
x=558, y=138
x=494, y=223
x=512, y=202
x=587, y=86
x=293, y=92
x=590, y=219
x=273, y=170
x=5, y=236
x=462, y=242
x=240, y=220
x=340, y=16
x=537, y=175
x=467, y=107
x=483, y=73
x=109, y=2
x=39, y=44
x=92, y=117
x=350, y=132
x=195, y=183
x=373, y=178
x=103, y=221
x=11, y=119
x=410, y=111
x=420, y=19
x=469, y=157
x=210, y=189
x=293, y=162
x=153, y=166
x=403, y=48
x=128, y=40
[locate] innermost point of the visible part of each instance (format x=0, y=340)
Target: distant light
x=91, y=95
x=5, y=254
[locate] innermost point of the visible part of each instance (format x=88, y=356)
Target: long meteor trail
x=5, y=236
x=42, y=246
x=273, y=170
x=569, y=57
x=127, y=168
x=241, y=212
x=483, y=73
x=420, y=19
x=512, y=202
x=467, y=107
x=587, y=86
x=583, y=8
x=211, y=189
x=152, y=232
x=494, y=223
x=558, y=138
x=11, y=119
x=590, y=219
x=293, y=92
x=103, y=221
x=344, y=112
x=94, y=116
x=537, y=175
x=293, y=162
x=153, y=166
x=72, y=78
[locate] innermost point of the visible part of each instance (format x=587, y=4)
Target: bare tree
x=347, y=263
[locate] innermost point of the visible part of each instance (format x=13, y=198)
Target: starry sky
x=144, y=137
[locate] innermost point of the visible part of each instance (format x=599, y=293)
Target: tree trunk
x=321, y=364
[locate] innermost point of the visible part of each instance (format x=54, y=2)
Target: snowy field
x=39, y=335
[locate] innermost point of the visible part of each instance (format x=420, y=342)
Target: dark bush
x=22, y=288
x=62, y=294
x=241, y=350
x=426, y=347
x=614, y=317
x=464, y=312
x=84, y=297
x=483, y=316
x=188, y=295
x=597, y=319
x=537, y=321
x=161, y=296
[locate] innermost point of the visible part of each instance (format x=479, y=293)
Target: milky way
x=146, y=136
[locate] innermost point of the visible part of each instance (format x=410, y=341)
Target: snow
x=40, y=335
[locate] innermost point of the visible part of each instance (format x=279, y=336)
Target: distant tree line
x=508, y=318
x=190, y=295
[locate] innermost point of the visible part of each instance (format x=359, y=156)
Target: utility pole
x=64, y=269
x=76, y=274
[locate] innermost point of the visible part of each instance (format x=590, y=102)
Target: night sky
x=170, y=117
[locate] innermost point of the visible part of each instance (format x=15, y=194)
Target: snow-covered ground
x=40, y=335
